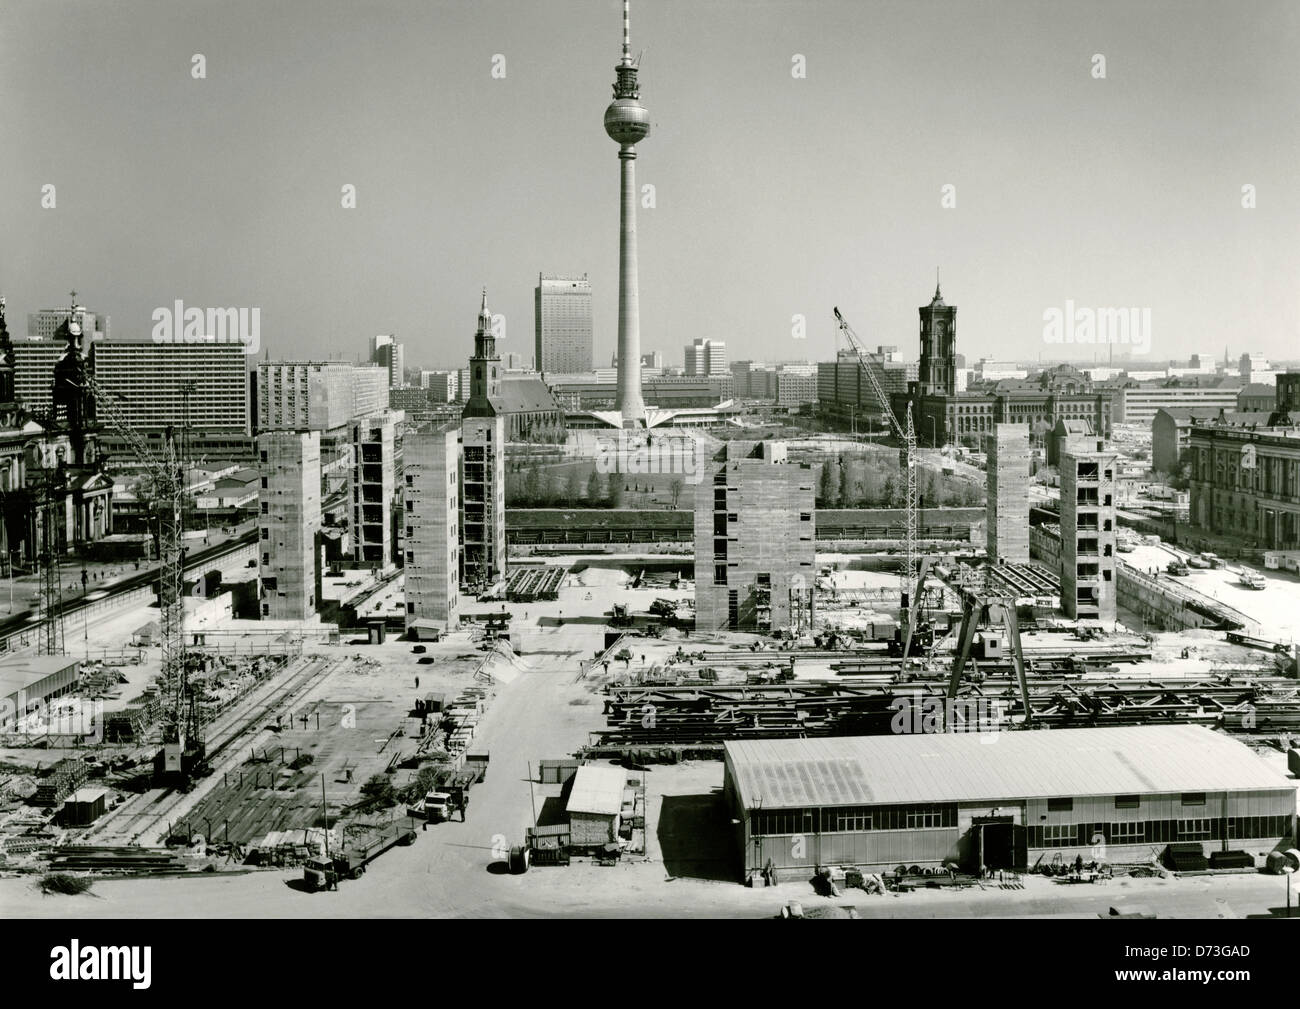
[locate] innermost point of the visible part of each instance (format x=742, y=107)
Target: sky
x=775, y=195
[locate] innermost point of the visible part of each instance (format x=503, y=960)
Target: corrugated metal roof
x=597, y=790
x=962, y=767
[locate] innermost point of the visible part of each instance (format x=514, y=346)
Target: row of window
x=1065, y=804
x=852, y=818
x=1204, y=828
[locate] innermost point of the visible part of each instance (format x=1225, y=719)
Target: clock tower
x=937, y=374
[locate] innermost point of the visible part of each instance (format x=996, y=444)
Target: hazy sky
x=775, y=195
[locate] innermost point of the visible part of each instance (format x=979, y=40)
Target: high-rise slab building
x=563, y=339
x=443, y=386
x=483, y=462
x=755, y=521
x=290, y=504
x=1007, y=448
x=1088, y=579
x=431, y=513
x=627, y=122
x=43, y=324
x=308, y=395
x=706, y=357
x=373, y=487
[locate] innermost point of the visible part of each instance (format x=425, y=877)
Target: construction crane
x=906, y=436
x=182, y=728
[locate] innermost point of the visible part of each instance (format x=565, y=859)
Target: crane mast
x=906, y=436
x=180, y=721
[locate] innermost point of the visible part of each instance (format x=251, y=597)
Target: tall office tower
x=370, y=389
x=1007, y=448
x=652, y=359
x=938, y=371
x=462, y=385
x=627, y=122
x=373, y=486
x=42, y=325
x=706, y=357
x=563, y=339
x=483, y=463
x=290, y=519
x=431, y=512
x=386, y=352
x=1088, y=585
x=754, y=540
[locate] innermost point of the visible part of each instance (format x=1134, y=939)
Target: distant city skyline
x=800, y=194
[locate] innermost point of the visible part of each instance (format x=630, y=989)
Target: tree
x=595, y=489
x=845, y=494
x=615, y=496
x=533, y=485
x=378, y=793
x=550, y=488
x=675, y=490
x=826, y=487
x=572, y=487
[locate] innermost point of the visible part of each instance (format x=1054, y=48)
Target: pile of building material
x=292, y=847
x=63, y=779
x=527, y=585
x=131, y=860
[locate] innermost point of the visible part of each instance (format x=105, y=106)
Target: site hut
x=83, y=807
x=27, y=681
x=595, y=802
x=1103, y=794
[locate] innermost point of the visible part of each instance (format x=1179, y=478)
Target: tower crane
x=912, y=573
x=182, y=729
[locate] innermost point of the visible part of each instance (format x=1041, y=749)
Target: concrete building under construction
x=431, y=492
x=289, y=522
x=374, y=448
x=1007, y=447
x=1088, y=557
x=755, y=518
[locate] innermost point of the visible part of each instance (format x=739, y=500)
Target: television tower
x=627, y=121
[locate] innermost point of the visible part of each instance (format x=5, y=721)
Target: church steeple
x=7, y=359
x=484, y=369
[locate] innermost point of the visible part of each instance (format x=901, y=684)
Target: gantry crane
x=182, y=728
x=911, y=575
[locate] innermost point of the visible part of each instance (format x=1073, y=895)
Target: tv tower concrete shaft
x=627, y=121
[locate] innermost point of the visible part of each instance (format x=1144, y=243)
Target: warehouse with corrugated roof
x=1001, y=800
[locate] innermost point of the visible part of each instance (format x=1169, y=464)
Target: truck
x=1253, y=580
x=450, y=793
x=323, y=872
x=1177, y=568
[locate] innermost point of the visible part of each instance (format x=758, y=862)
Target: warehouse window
x=1060, y=805
x=1127, y=801
x=1126, y=832
x=1194, y=830
x=1058, y=833
x=1193, y=798
x=847, y=818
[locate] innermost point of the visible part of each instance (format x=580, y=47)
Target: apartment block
x=1007, y=448
x=373, y=488
x=1088, y=482
x=306, y=395
x=483, y=498
x=443, y=386
x=290, y=506
x=755, y=521
x=430, y=511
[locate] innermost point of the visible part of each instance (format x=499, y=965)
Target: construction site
x=631, y=742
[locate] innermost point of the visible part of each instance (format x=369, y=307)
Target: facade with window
x=1103, y=794
x=288, y=521
x=431, y=510
x=755, y=532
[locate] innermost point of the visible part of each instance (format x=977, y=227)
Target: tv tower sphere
x=627, y=121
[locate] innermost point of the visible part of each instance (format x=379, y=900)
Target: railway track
x=134, y=821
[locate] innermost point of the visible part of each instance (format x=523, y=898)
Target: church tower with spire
x=937, y=374
x=483, y=463
x=484, y=369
